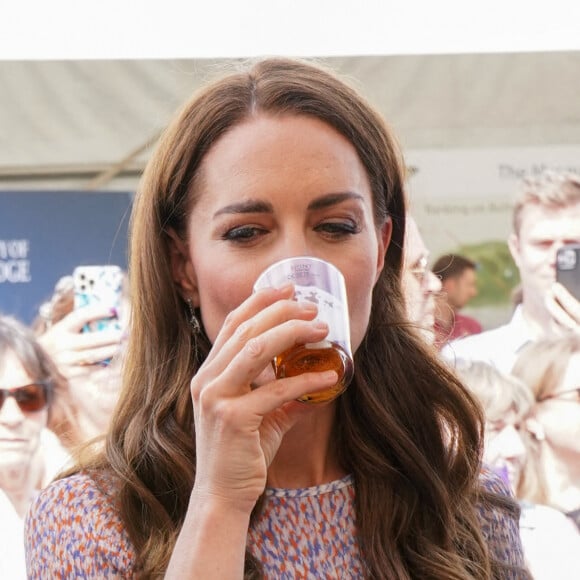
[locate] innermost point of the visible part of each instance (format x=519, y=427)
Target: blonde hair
x=497, y=392
x=550, y=189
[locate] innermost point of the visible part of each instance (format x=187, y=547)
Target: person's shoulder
x=80, y=489
x=484, y=337
x=73, y=502
x=73, y=528
x=538, y=515
x=551, y=542
x=467, y=324
x=498, y=514
x=496, y=496
x=491, y=482
x=471, y=346
x=492, y=346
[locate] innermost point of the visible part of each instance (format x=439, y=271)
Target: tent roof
x=69, y=123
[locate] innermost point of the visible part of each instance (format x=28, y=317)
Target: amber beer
x=306, y=359
x=323, y=284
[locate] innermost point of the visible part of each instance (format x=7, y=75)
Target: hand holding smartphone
x=568, y=268
x=103, y=286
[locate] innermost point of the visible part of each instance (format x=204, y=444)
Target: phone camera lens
x=566, y=259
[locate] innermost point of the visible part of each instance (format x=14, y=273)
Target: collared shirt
x=498, y=347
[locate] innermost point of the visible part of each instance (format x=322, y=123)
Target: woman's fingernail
x=330, y=375
x=320, y=325
x=309, y=306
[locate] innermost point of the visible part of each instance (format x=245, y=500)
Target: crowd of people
x=170, y=449
x=57, y=393
x=540, y=348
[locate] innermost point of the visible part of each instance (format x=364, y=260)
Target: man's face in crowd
x=419, y=283
x=543, y=230
x=461, y=288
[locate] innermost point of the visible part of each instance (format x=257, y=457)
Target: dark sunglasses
x=30, y=398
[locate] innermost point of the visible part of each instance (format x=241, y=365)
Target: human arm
x=239, y=427
x=93, y=387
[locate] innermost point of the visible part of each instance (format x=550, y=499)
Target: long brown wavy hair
x=406, y=428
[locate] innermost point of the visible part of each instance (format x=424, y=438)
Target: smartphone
x=568, y=268
x=99, y=285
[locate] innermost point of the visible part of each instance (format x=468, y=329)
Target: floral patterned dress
x=74, y=531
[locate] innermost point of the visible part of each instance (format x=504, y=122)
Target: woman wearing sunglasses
x=551, y=369
x=30, y=454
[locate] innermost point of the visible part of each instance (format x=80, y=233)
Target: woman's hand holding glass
x=241, y=410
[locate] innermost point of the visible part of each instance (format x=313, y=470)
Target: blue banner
x=44, y=235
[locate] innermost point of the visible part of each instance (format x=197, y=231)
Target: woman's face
x=19, y=430
x=275, y=187
x=419, y=283
x=504, y=448
x=559, y=415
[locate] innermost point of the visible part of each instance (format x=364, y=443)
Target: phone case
x=568, y=268
x=101, y=285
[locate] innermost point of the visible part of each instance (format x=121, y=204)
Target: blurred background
x=79, y=132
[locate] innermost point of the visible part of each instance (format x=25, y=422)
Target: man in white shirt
x=546, y=216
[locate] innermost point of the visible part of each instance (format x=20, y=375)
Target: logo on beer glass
x=322, y=283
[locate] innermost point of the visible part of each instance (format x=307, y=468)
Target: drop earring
x=193, y=321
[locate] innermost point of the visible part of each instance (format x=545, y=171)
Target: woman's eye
x=337, y=230
x=243, y=233
x=494, y=428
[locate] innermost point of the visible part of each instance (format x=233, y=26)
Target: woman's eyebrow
x=247, y=206
x=257, y=206
x=333, y=198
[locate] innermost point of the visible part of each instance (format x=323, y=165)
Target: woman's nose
x=294, y=244
x=512, y=444
x=10, y=412
x=432, y=282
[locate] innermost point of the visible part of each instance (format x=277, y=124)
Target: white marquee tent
x=90, y=124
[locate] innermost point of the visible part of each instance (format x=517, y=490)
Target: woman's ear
x=384, y=238
x=182, y=268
